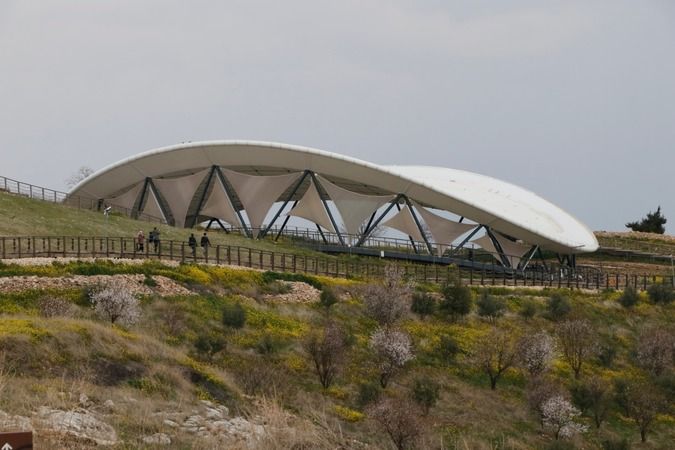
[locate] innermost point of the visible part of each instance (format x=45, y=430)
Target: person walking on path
x=205, y=244
x=192, y=242
x=154, y=238
x=140, y=241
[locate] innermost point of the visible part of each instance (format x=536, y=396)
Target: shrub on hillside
x=115, y=302
x=629, y=297
x=656, y=349
x=268, y=344
x=234, y=315
x=425, y=393
x=557, y=307
x=661, y=293
x=606, y=354
x=55, y=307
x=327, y=298
x=578, y=341
x=528, y=309
x=456, y=301
x=495, y=353
x=448, y=348
x=490, y=306
x=423, y=304
x=326, y=350
x=616, y=444
x=368, y=392
x=208, y=345
x=399, y=419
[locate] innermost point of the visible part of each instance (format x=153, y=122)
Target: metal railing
x=126, y=247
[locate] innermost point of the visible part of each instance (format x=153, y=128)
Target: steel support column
x=466, y=239
x=498, y=247
x=365, y=234
x=283, y=225
x=325, y=205
x=523, y=264
x=412, y=241
x=262, y=233
x=231, y=195
x=202, y=199
x=419, y=225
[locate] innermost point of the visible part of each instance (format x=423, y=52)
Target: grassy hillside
x=182, y=350
x=22, y=216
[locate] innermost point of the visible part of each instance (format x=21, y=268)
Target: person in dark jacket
x=205, y=243
x=192, y=242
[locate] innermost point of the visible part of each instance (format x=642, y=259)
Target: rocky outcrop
x=79, y=423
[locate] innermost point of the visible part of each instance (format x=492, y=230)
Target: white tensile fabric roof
x=502, y=206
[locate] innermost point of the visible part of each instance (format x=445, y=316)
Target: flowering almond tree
x=559, y=414
x=393, y=349
x=535, y=352
x=116, y=303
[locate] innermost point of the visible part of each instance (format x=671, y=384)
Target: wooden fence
x=123, y=247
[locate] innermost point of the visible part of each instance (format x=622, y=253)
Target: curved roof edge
x=502, y=205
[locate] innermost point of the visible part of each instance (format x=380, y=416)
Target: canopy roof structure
x=191, y=182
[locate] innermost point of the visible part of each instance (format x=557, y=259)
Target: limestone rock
x=79, y=423
x=157, y=439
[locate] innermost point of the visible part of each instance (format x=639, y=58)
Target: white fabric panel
x=151, y=207
x=218, y=205
x=514, y=251
x=486, y=244
x=405, y=222
x=127, y=199
x=178, y=193
x=444, y=231
x=258, y=193
x=354, y=208
x=311, y=207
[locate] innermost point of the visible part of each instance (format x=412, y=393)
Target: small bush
x=425, y=393
x=456, y=300
x=448, y=348
x=234, y=315
x=268, y=344
x=423, y=304
x=490, y=306
x=208, y=345
x=528, y=309
x=367, y=394
x=661, y=293
x=629, y=297
x=606, y=354
x=558, y=307
x=616, y=444
x=328, y=298
x=55, y=307
x=276, y=288
x=149, y=281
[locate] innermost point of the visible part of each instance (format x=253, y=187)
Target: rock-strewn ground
x=135, y=283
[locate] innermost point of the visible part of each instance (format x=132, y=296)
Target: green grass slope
x=22, y=216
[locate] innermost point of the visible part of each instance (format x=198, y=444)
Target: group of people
x=153, y=238
x=204, y=243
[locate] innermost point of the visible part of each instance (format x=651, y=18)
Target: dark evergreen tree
x=653, y=223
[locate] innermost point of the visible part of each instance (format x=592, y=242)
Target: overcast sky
x=574, y=100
